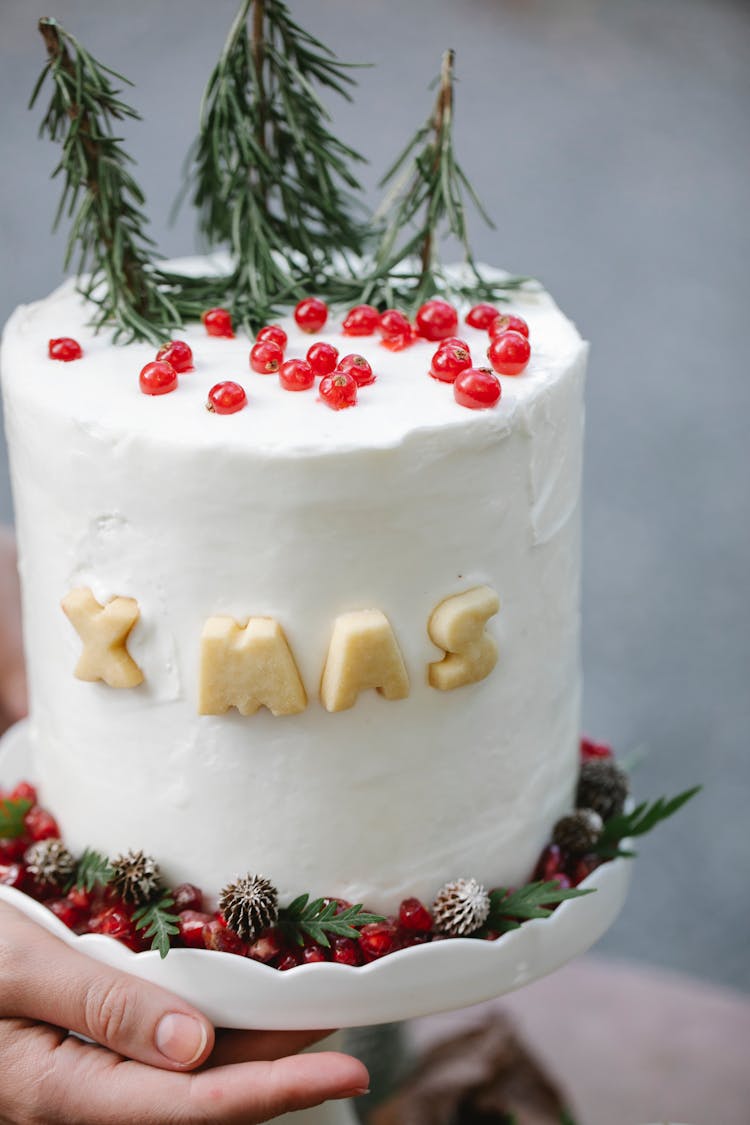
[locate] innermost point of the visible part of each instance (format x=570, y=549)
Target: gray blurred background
x=610, y=140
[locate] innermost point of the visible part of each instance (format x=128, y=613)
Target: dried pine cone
x=602, y=786
x=50, y=863
x=579, y=832
x=136, y=877
x=461, y=907
x=250, y=905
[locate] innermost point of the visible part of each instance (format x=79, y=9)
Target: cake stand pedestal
x=236, y=992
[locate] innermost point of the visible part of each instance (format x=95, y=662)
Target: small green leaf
x=321, y=920
x=93, y=870
x=638, y=822
x=12, y=813
x=509, y=908
x=157, y=921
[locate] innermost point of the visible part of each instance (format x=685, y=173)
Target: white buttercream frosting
x=291, y=510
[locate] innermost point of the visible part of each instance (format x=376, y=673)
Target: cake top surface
x=101, y=390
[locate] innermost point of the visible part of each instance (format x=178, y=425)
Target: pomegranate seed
x=550, y=861
x=509, y=353
x=12, y=874
x=341, y=903
x=477, y=388
x=362, y=320
x=591, y=749
x=562, y=881
x=437, y=319
x=359, y=369
x=64, y=348
x=394, y=323
x=448, y=362
x=114, y=922
x=311, y=314
x=296, y=375
x=266, y=357
x=267, y=947
x=376, y=940
x=338, y=390
x=12, y=850
x=80, y=899
x=407, y=939
x=322, y=358
x=63, y=909
x=345, y=951
x=288, y=961
x=226, y=398
x=41, y=825
x=24, y=791
x=158, y=378
x=222, y=939
x=312, y=953
x=492, y=935
x=187, y=897
x=273, y=333
x=581, y=867
x=191, y=926
x=412, y=915
x=482, y=316
x=218, y=322
x=179, y=354
x=508, y=322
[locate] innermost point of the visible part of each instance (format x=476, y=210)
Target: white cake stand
x=236, y=992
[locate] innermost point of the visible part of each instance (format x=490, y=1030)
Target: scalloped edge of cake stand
x=236, y=992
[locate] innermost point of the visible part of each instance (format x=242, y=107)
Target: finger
x=88, y=1086
x=47, y=980
x=260, y=1046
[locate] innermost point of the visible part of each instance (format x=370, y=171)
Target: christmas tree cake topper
x=270, y=182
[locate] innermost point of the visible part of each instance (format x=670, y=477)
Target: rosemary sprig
x=641, y=820
x=12, y=813
x=320, y=919
x=93, y=870
x=108, y=238
x=425, y=202
x=269, y=178
x=510, y=908
x=158, y=922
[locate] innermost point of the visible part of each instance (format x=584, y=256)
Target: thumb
x=46, y=980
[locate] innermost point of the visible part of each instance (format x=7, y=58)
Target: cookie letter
x=363, y=654
x=248, y=668
x=104, y=631
x=457, y=625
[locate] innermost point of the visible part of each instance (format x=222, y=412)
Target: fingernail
x=181, y=1039
x=358, y=1092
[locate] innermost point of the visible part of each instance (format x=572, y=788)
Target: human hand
x=149, y=1039
x=12, y=669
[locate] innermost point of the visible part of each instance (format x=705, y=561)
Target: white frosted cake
x=330, y=532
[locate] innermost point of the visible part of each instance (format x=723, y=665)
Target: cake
x=343, y=550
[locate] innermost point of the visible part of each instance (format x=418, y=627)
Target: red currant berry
x=322, y=358
x=591, y=749
x=507, y=322
x=218, y=322
x=482, y=316
x=477, y=388
x=41, y=825
x=362, y=320
x=191, y=923
x=358, y=367
x=267, y=947
x=266, y=357
x=65, y=349
x=187, y=897
x=412, y=915
x=376, y=940
x=509, y=353
x=273, y=332
x=448, y=362
x=437, y=319
x=455, y=342
x=394, y=323
x=338, y=390
x=179, y=354
x=24, y=791
x=226, y=398
x=296, y=375
x=311, y=314
x=158, y=378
